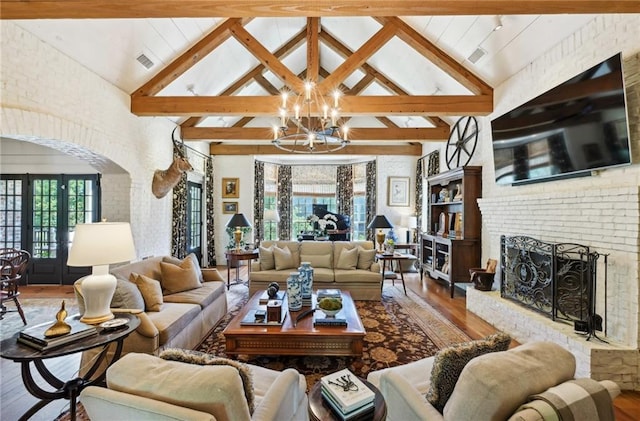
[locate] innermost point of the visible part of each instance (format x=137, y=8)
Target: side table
x=396, y=257
x=319, y=410
x=233, y=259
x=12, y=350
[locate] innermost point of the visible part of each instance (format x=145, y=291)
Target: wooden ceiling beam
x=422, y=134
x=447, y=105
x=187, y=60
x=409, y=150
x=109, y=9
x=268, y=59
x=437, y=56
x=313, y=49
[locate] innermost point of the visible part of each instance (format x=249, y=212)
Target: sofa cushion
x=151, y=291
x=365, y=258
x=348, y=259
x=148, y=267
x=202, y=358
x=512, y=376
x=356, y=277
x=267, y=261
x=193, y=258
x=173, y=319
x=283, y=258
x=179, y=278
x=317, y=260
x=323, y=275
x=202, y=296
x=449, y=363
x=126, y=295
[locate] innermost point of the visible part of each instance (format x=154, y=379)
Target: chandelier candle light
x=317, y=133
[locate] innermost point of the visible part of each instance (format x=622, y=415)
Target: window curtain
x=258, y=201
x=418, y=209
x=210, y=213
x=179, y=220
x=344, y=191
x=371, y=194
x=284, y=202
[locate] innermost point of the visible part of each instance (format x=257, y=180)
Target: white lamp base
x=97, y=290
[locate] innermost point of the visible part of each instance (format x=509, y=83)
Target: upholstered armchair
x=498, y=386
x=146, y=387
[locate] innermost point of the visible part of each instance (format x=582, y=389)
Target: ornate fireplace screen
x=558, y=280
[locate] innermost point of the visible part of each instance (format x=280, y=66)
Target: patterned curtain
x=344, y=190
x=371, y=192
x=284, y=202
x=179, y=221
x=210, y=213
x=258, y=201
x=418, y=209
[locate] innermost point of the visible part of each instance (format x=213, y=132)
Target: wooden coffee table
x=304, y=339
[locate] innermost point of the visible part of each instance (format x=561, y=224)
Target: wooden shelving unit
x=452, y=245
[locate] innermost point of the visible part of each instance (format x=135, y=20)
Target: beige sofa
x=143, y=387
x=332, y=269
x=185, y=317
x=495, y=387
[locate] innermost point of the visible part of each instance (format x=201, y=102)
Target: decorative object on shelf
x=443, y=196
x=294, y=291
x=389, y=246
x=164, y=180
x=462, y=142
x=98, y=245
x=306, y=278
x=272, y=290
x=445, y=265
x=229, y=207
x=380, y=222
x=443, y=224
x=313, y=120
x=60, y=327
x=398, y=191
x=238, y=221
x=230, y=188
x=457, y=226
x=482, y=279
x=458, y=196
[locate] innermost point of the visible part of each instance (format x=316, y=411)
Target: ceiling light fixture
x=314, y=123
x=499, y=24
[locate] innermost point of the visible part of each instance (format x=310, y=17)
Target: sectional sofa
x=348, y=265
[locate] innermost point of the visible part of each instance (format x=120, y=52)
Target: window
x=194, y=219
x=303, y=208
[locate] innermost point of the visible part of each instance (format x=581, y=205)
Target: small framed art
x=229, y=207
x=230, y=188
x=398, y=191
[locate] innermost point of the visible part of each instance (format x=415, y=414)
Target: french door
x=194, y=219
x=39, y=212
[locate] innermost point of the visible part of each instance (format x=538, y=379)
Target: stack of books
x=34, y=336
x=347, y=395
x=329, y=293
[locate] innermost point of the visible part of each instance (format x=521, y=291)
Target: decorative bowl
x=330, y=313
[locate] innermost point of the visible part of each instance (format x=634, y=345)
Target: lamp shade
x=271, y=215
x=380, y=221
x=101, y=243
x=238, y=220
x=412, y=222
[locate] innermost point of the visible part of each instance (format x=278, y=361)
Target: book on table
x=347, y=391
x=362, y=413
x=258, y=317
x=329, y=293
x=34, y=336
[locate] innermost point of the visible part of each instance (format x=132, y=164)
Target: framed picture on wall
x=230, y=188
x=398, y=191
x=229, y=207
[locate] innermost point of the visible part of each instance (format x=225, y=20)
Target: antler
x=178, y=143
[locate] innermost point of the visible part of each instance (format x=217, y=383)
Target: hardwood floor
x=15, y=399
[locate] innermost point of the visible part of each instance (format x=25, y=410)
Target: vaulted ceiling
x=407, y=69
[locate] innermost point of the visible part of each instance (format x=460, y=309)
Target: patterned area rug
x=400, y=329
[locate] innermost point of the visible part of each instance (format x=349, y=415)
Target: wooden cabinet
x=451, y=244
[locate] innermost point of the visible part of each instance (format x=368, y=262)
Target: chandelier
x=308, y=124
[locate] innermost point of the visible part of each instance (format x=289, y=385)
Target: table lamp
x=412, y=223
x=380, y=222
x=238, y=221
x=98, y=245
x=271, y=216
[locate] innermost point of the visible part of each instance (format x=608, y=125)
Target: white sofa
x=491, y=387
x=363, y=281
x=143, y=387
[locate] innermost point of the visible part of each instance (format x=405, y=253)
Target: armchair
x=146, y=387
x=494, y=386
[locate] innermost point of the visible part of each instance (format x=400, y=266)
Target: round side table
x=320, y=410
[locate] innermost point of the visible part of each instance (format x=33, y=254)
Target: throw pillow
x=449, y=362
x=348, y=259
x=317, y=260
x=365, y=258
x=151, y=291
x=127, y=295
x=266, y=258
x=283, y=258
x=179, y=278
x=178, y=262
x=202, y=358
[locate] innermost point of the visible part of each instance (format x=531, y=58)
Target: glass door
x=194, y=219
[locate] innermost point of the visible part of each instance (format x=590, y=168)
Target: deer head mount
x=165, y=180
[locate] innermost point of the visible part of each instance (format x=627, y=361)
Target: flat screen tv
x=569, y=131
